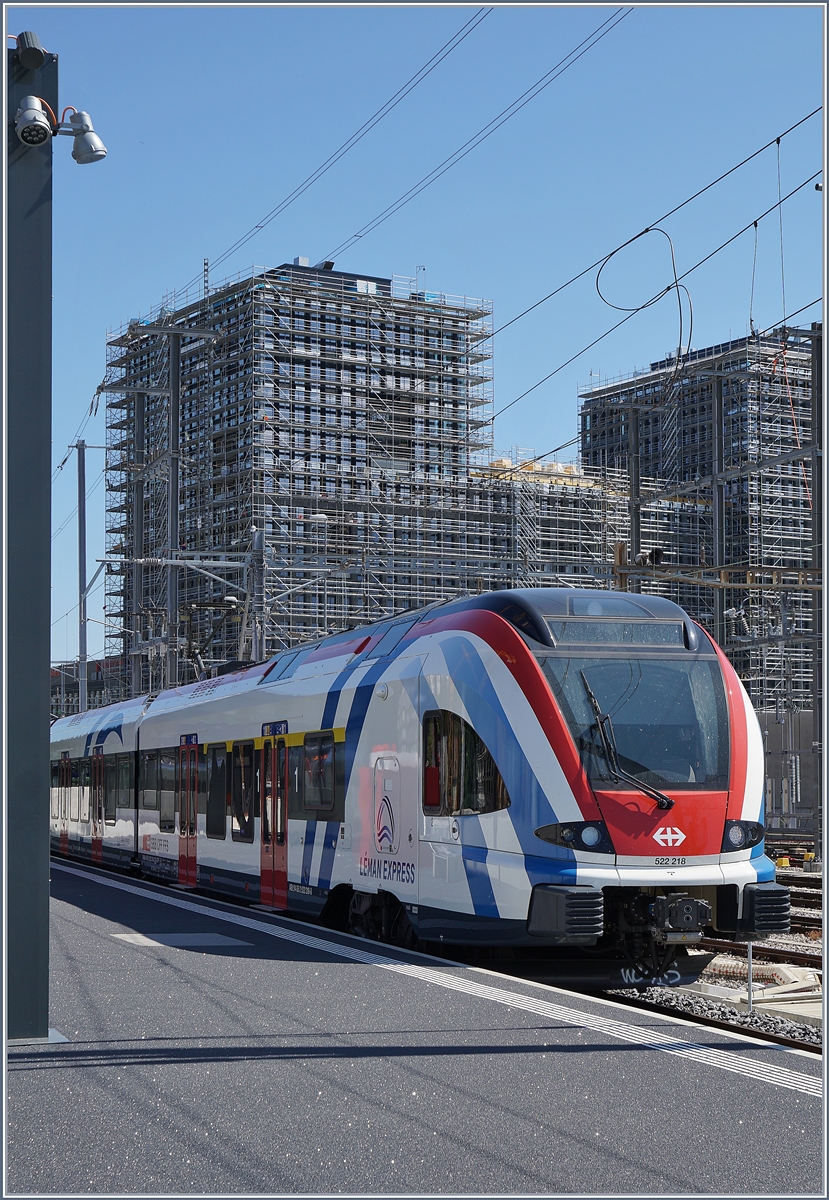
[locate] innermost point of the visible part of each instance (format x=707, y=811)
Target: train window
x=242, y=794
x=167, y=789
x=265, y=782
x=54, y=793
x=296, y=779
x=390, y=639
x=201, y=795
x=281, y=768
x=460, y=777
x=83, y=790
x=216, y=792
x=125, y=781
x=669, y=717
x=149, y=779
x=74, y=801
x=110, y=788
x=318, y=790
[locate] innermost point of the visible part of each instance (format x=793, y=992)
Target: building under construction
x=302, y=449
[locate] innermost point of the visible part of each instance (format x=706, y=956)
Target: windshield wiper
x=611, y=754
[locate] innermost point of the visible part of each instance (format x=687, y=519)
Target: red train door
x=188, y=774
x=98, y=805
x=274, y=826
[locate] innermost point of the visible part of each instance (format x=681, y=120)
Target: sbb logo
x=668, y=835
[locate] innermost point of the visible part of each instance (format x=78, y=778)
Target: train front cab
x=664, y=755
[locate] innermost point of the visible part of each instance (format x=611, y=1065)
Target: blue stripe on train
x=308, y=851
x=329, y=848
x=480, y=886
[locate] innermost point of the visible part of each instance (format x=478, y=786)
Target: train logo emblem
x=667, y=835
x=384, y=828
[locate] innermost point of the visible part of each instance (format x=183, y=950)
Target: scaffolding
x=327, y=433
x=763, y=386
x=336, y=467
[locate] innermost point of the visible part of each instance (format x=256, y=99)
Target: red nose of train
x=640, y=829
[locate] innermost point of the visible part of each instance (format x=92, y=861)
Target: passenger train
x=579, y=771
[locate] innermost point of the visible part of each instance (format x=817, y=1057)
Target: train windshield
x=668, y=716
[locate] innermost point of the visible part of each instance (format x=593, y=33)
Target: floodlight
x=88, y=147
x=31, y=124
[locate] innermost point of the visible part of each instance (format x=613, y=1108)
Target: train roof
x=526, y=609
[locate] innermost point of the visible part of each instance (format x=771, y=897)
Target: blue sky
x=212, y=115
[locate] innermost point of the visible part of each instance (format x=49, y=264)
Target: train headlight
x=735, y=835
x=578, y=835
x=741, y=835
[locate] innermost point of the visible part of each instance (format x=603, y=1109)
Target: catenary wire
x=573, y=441
x=530, y=94
x=658, y=221
x=669, y=287
x=437, y=58
x=74, y=511
x=74, y=607
x=701, y=191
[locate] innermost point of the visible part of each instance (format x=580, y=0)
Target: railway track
x=803, y=922
x=762, y=1035
x=801, y=881
x=763, y=953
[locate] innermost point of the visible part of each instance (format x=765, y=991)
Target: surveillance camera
x=31, y=124
x=88, y=147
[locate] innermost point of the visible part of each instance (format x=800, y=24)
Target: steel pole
x=174, y=449
x=137, y=672
x=817, y=561
x=26, y=531
x=719, y=507
x=83, y=702
x=635, y=502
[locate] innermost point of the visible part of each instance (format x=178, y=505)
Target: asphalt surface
x=301, y=1061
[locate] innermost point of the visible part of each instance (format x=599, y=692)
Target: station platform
x=219, y=1050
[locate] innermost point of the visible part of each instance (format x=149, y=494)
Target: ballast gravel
x=704, y=1006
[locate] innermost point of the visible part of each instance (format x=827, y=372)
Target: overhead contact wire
x=436, y=59
x=668, y=288
x=510, y=111
x=658, y=221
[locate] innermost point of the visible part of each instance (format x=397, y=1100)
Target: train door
x=63, y=809
x=188, y=774
x=273, y=826
x=98, y=780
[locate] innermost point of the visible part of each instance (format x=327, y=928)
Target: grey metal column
x=174, y=449
x=138, y=542
x=718, y=488
x=83, y=701
x=817, y=561
x=635, y=502
x=26, y=464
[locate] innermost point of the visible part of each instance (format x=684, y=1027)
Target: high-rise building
x=335, y=466
x=327, y=431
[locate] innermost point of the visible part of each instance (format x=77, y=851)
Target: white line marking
x=649, y=1039
x=183, y=941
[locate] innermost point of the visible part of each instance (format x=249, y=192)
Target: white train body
x=431, y=775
